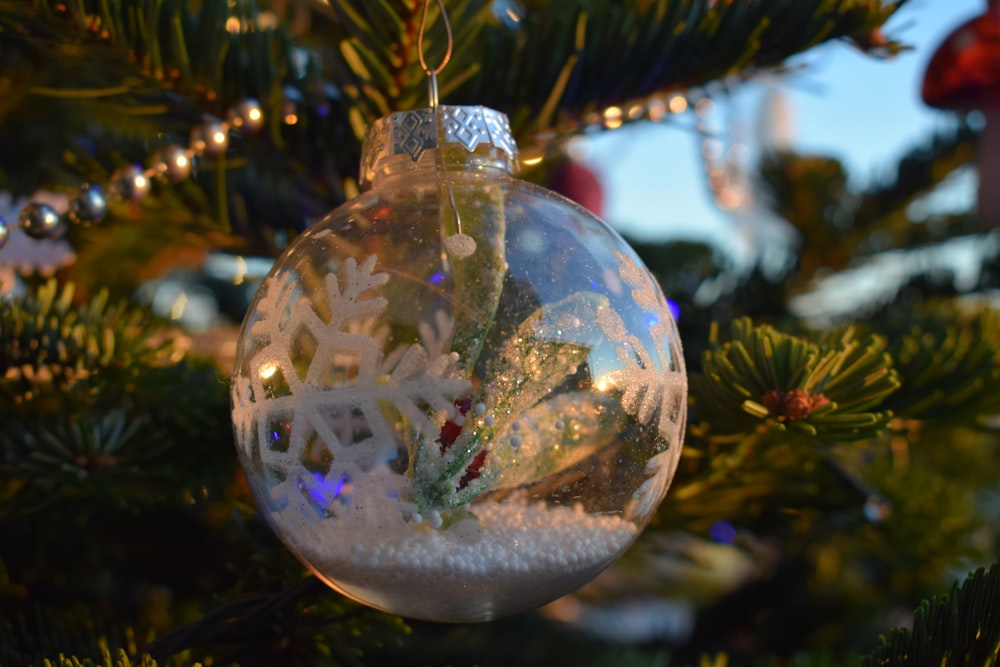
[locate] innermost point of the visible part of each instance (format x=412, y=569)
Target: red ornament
x=578, y=182
x=964, y=74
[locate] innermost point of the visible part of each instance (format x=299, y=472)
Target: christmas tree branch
x=961, y=629
x=778, y=381
x=596, y=55
x=237, y=621
x=838, y=224
x=948, y=358
x=91, y=400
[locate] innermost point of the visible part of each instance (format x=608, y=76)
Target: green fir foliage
x=948, y=357
x=960, y=630
x=780, y=381
x=94, y=395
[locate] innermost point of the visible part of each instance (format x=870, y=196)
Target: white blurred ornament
x=22, y=255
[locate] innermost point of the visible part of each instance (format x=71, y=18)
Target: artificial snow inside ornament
x=459, y=395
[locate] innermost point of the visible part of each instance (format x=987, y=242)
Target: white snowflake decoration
x=295, y=417
x=651, y=390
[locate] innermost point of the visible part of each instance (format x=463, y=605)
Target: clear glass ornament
x=4, y=233
x=459, y=395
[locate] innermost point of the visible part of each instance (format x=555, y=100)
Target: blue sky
x=864, y=111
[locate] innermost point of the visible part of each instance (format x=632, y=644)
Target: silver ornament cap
x=443, y=135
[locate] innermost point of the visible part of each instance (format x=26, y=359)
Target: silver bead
x=4, y=232
x=172, y=163
x=40, y=221
x=87, y=206
x=210, y=138
x=248, y=116
x=130, y=183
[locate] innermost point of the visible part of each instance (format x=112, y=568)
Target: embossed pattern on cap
x=412, y=133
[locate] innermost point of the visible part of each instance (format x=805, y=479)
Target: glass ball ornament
x=130, y=183
x=87, y=206
x=4, y=233
x=40, y=221
x=459, y=395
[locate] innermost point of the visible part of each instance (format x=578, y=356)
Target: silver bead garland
x=247, y=116
x=173, y=163
x=210, y=138
x=130, y=183
x=89, y=204
x=40, y=221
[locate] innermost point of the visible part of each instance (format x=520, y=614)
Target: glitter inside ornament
x=459, y=395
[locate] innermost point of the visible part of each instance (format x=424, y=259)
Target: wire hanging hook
x=432, y=87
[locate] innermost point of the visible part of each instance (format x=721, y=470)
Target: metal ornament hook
x=432, y=72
